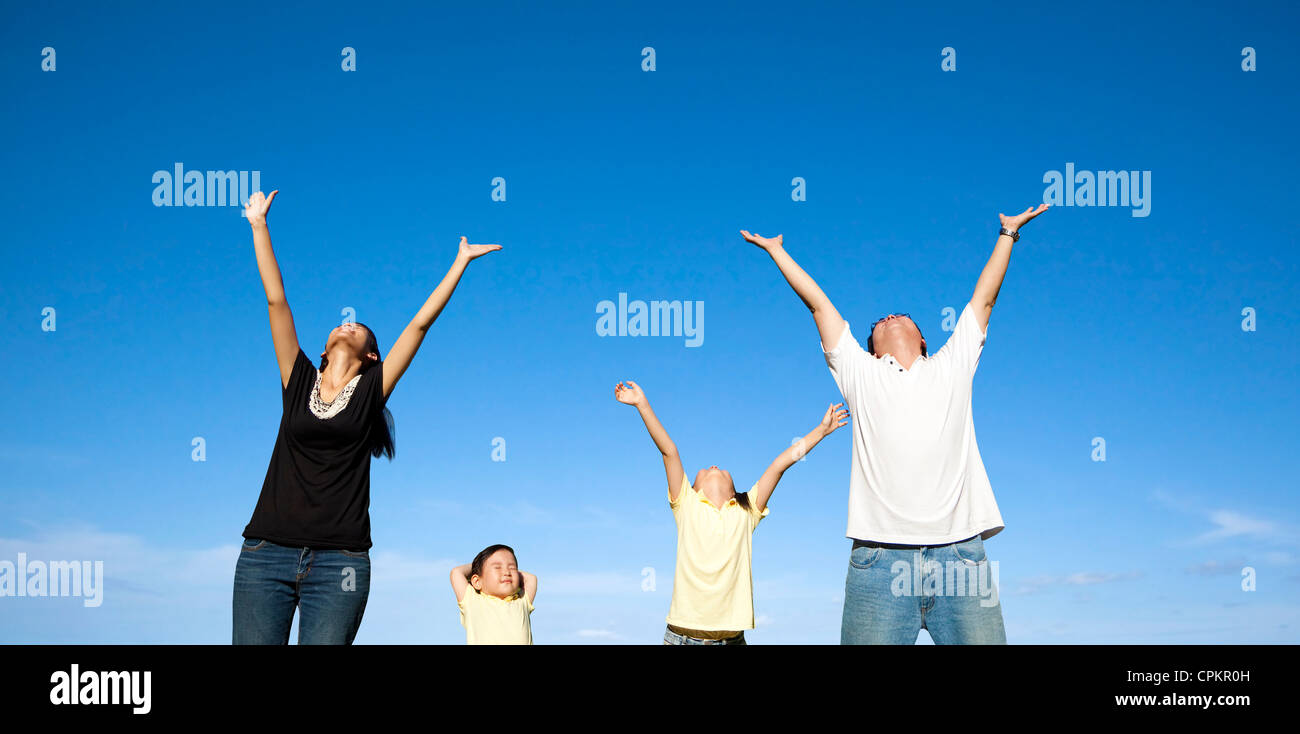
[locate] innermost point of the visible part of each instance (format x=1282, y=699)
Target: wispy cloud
x=528, y=513
x=593, y=583
x=599, y=634
x=521, y=511
x=155, y=593
x=1082, y=578
x=1234, y=566
x=150, y=594
x=1217, y=568
x=1226, y=524
x=1089, y=578
x=1280, y=558
x=1230, y=524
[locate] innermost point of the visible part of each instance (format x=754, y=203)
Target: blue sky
x=620, y=180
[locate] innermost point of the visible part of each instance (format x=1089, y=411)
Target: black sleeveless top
x=317, y=488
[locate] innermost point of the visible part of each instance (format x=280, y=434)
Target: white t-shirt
x=917, y=476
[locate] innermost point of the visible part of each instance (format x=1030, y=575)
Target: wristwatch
x=1015, y=236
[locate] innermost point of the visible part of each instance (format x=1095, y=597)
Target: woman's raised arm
x=404, y=349
x=283, y=332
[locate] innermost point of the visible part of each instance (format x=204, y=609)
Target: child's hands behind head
x=629, y=394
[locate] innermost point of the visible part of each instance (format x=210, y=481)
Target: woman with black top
x=307, y=545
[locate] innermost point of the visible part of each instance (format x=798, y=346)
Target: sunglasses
x=886, y=318
x=871, y=335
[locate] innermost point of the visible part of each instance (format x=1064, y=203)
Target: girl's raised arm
x=833, y=419
x=404, y=349
x=630, y=394
x=283, y=332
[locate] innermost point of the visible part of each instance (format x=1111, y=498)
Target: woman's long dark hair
x=385, y=430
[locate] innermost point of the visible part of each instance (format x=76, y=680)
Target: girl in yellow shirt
x=713, y=588
x=495, y=598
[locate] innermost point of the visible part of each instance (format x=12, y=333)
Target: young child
x=713, y=589
x=495, y=598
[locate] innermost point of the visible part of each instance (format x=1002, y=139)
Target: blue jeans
x=893, y=592
x=271, y=581
x=675, y=638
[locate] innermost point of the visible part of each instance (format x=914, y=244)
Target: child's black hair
x=476, y=568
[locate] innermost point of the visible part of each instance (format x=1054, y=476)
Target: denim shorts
x=328, y=588
x=893, y=592
x=674, y=638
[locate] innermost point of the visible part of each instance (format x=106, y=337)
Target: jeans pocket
x=970, y=552
x=865, y=556
x=356, y=554
x=252, y=544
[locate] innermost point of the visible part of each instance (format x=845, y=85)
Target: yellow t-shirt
x=489, y=620
x=713, y=587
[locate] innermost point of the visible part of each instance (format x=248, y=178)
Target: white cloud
x=592, y=583
x=1082, y=578
x=1280, y=558
x=1217, y=568
x=159, y=594
x=150, y=594
x=1231, y=524
x=599, y=634
x=1227, y=524
x=1035, y=583
x=1089, y=578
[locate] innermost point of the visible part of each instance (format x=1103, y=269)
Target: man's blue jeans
x=893, y=592
x=271, y=581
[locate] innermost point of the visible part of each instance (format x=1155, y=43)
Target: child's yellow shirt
x=489, y=620
x=713, y=585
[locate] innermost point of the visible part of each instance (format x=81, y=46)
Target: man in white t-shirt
x=920, y=502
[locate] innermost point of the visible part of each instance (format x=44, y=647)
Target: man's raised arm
x=990, y=282
x=829, y=323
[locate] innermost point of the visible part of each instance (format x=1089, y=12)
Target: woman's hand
x=257, y=206
x=1014, y=223
x=833, y=419
x=469, y=252
x=766, y=243
x=629, y=394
